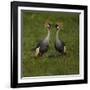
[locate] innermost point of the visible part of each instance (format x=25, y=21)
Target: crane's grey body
x=59, y=46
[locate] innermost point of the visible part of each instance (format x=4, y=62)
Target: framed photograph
x=48, y=44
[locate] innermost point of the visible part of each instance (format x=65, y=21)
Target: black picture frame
x=14, y=43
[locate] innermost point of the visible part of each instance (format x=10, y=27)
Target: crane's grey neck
x=47, y=37
x=57, y=35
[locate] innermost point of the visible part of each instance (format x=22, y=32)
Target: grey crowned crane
x=42, y=46
x=59, y=44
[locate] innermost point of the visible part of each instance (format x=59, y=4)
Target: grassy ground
x=33, y=30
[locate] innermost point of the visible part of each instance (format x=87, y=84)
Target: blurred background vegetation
x=33, y=30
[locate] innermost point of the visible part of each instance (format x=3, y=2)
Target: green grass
x=33, y=30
